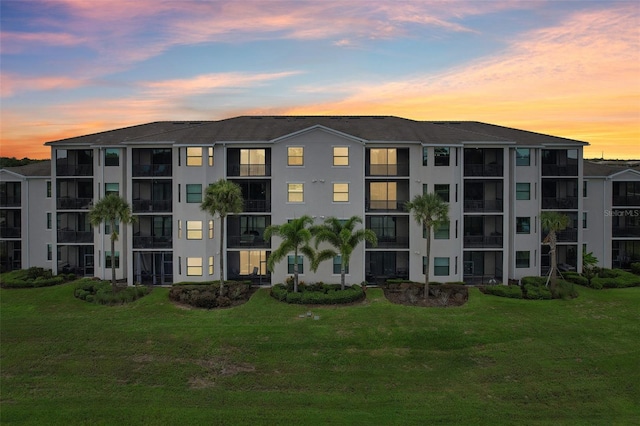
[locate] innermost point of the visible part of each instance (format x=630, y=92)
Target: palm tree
x=430, y=211
x=295, y=236
x=341, y=235
x=221, y=198
x=553, y=222
x=112, y=209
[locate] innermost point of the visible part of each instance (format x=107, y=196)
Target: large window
x=523, y=156
x=425, y=155
x=337, y=264
x=107, y=259
x=522, y=259
x=194, y=266
x=523, y=225
x=295, y=192
x=340, y=192
x=441, y=266
x=295, y=156
x=194, y=193
x=210, y=265
x=442, y=232
x=384, y=195
x=383, y=161
x=112, y=157
x=194, y=230
x=441, y=156
x=442, y=190
x=523, y=191
x=290, y=264
x=340, y=155
x=194, y=156
x=253, y=262
x=253, y=162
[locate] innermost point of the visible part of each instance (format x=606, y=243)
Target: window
x=425, y=264
x=425, y=155
x=441, y=156
x=522, y=259
x=290, y=265
x=48, y=189
x=523, y=156
x=295, y=192
x=383, y=161
x=111, y=188
x=383, y=195
x=253, y=162
x=584, y=220
x=210, y=151
x=107, y=259
x=442, y=191
x=194, y=230
x=112, y=157
x=340, y=192
x=194, y=156
x=49, y=252
x=194, y=193
x=253, y=262
x=337, y=264
x=48, y=220
x=340, y=155
x=584, y=189
x=441, y=266
x=523, y=191
x=523, y=225
x=107, y=228
x=210, y=229
x=194, y=266
x=295, y=156
x=210, y=265
x=441, y=232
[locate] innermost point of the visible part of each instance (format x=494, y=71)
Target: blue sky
x=73, y=67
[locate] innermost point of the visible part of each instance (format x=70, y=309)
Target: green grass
x=492, y=361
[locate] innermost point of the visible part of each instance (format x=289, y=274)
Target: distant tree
x=344, y=239
x=222, y=198
x=553, y=222
x=14, y=162
x=296, y=236
x=112, y=209
x=430, y=212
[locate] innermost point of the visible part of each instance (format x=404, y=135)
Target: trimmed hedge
x=102, y=293
x=32, y=277
x=614, y=278
x=635, y=268
x=318, y=294
x=511, y=291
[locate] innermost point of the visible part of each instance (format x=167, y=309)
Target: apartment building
x=26, y=217
x=611, y=218
x=496, y=180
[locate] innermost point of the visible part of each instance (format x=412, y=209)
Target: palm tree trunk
x=554, y=262
x=295, y=271
x=113, y=259
x=426, y=272
x=221, y=255
x=342, y=275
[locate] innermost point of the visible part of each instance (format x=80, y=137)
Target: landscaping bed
x=440, y=295
x=208, y=295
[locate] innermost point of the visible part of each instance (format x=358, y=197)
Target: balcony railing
x=483, y=241
x=151, y=242
x=70, y=236
x=10, y=201
x=564, y=203
x=151, y=206
x=74, y=170
x=255, y=206
x=69, y=203
x=146, y=170
x=386, y=205
x=626, y=200
x=10, y=232
x=391, y=242
x=249, y=170
x=483, y=170
x=400, y=169
x=247, y=240
x=559, y=170
x=495, y=206
x=564, y=236
x=626, y=231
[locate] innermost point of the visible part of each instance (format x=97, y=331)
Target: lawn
x=491, y=361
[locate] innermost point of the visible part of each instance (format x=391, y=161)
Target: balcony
x=10, y=231
x=152, y=170
x=67, y=235
x=74, y=169
x=74, y=162
x=564, y=203
x=385, y=205
x=71, y=203
x=483, y=206
x=145, y=206
x=151, y=162
x=10, y=200
x=391, y=242
x=626, y=200
x=487, y=162
x=481, y=241
x=257, y=206
x=626, y=231
x=249, y=162
x=152, y=242
x=247, y=240
x=487, y=170
x=569, y=235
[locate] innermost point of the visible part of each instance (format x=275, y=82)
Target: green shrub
x=101, y=292
x=615, y=278
x=565, y=290
x=318, y=294
x=535, y=292
x=208, y=295
x=511, y=291
x=635, y=268
x=576, y=278
x=32, y=277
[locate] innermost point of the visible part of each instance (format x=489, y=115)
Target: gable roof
x=591, y=169
x=37, y=169
x=270, y=128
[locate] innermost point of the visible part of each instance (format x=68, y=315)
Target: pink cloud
x=12, y=83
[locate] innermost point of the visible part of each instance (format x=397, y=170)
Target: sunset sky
x=566, y=68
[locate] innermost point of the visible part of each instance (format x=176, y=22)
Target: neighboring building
x=26, y=216
x=611, y=217
x=496, y=180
